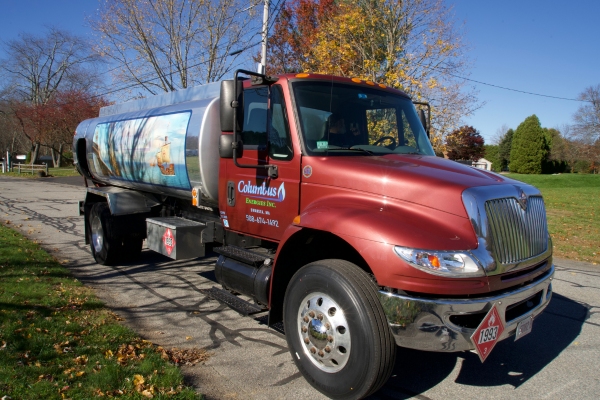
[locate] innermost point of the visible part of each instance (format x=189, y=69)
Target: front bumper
x=446, y=325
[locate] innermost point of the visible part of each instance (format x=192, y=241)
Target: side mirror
x=232, y=101
x=226, y=146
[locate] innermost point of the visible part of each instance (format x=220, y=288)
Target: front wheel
x=336, y=330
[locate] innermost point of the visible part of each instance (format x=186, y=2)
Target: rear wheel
x=336, y=330
x=104, y=242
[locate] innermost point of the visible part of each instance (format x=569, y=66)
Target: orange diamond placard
x=169, y=241
x=487, y=333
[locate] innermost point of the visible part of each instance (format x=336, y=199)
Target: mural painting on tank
x=146, y=150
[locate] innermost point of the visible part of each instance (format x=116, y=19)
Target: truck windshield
x=346, y=119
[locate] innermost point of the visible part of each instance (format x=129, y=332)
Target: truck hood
x=426, y=180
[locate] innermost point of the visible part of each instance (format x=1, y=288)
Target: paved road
x=160, y=299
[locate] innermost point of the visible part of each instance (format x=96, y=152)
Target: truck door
x=263, y=206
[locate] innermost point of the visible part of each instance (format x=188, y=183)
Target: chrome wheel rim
x=324, y=332
x=97, y=234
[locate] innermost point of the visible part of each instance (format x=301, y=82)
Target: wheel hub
x=324, y=332
x=97, y=234
x=317, y=334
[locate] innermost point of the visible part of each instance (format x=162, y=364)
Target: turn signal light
x=195, y=197
x=435, y=262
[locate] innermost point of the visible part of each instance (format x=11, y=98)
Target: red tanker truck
x=328, y=208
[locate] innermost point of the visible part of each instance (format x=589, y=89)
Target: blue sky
x=547, y=47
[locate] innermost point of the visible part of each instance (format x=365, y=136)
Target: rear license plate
x=523, y=328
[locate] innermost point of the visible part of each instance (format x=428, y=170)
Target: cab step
x=240, y=305
x=242, y=255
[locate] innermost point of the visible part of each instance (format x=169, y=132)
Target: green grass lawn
x=573, y=208
x=57, y=340
x=63, y=171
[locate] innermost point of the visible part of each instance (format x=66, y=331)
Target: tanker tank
x=165, y=144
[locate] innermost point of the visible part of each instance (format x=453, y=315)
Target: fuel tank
x=166, y=144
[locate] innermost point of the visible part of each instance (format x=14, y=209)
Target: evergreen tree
x=504, y=149
x=491, y=154
x=529, y=148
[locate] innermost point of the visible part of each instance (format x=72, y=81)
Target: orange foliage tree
x=410, y=45
x=52, y=124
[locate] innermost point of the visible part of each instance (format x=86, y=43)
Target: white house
x=482, y=163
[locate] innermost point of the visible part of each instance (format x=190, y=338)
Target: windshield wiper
x=353, y=149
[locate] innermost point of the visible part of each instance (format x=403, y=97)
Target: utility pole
x=262, y=67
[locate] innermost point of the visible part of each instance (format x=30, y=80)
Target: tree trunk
x=34, y=154
x=60, y=155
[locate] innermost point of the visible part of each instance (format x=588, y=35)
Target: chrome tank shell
x=157, y=146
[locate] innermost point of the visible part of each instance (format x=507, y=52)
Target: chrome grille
x=517, y=234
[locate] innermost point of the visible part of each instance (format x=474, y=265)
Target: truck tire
x=336, y=330
x=104, y=242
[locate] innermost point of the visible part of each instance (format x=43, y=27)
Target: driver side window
x=254, y=130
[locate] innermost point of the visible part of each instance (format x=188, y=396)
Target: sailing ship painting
x=163, y=159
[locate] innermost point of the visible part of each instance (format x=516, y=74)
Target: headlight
x=451, y=264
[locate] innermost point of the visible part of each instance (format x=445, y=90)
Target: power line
x=514, y=90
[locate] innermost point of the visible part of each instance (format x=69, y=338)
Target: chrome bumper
x=431, y=324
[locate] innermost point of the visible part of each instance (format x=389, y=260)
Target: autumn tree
x=165, y=45
x=11, y=138
x=465, y=143
x=52, y=124
x=36, y=68
x=295, y=32
x=529, y=148
x=410, y=45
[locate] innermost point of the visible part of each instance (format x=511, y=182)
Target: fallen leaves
x=138, y=380
x=43, y=307
x=184, y=356
x=127, y=352
x=81, y=360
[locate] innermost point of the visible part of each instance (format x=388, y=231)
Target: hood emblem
x=522, y=199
